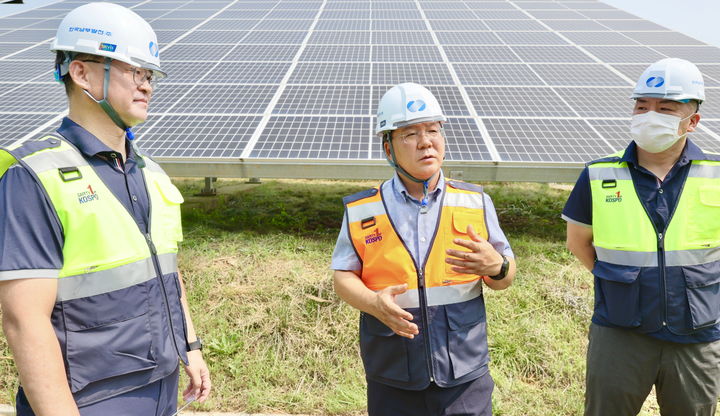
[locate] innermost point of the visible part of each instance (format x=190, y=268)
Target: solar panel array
x=524, y=83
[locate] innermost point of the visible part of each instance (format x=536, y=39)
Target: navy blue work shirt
x=31, y=238
x=659, y=198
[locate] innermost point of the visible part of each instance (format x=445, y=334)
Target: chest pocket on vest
x=169, y=214
x=460, y=221
x=107, y=335
x=705, y=231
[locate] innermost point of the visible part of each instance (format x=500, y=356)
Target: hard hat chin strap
x=392, y=160
x=105, y=104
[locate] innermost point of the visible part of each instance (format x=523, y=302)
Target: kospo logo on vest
x=374, y=237
x=88, y=196
x=616, y=197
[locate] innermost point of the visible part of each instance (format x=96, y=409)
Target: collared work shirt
x=659, y=198
x=415, y=228
x=31, y=239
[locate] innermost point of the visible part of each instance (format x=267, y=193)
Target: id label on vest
x=88, y=196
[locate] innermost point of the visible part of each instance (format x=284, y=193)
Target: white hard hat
x=672, y=79
x=109, y=30
x=406, y=104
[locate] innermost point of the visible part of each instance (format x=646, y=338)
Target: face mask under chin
x=655, y=132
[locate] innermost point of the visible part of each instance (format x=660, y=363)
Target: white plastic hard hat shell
x=110, y=30
x=406, y=104
x=672, y=79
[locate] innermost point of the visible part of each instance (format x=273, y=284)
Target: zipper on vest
x=425, y=321
x=158, y=270
x=661, y=265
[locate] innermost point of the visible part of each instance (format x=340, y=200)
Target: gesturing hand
x=482, y=259
x=395, y=317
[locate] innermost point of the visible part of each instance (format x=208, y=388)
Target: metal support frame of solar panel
x=287, y=88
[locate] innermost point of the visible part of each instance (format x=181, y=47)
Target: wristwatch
x=195, y=345
x=503, y=269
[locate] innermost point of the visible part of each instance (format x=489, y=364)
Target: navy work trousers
x=155, y=399
x=473, y=398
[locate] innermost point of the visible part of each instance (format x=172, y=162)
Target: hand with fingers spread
x=392, y=315
x=481, y=259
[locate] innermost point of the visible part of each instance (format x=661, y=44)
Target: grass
x=255, y=260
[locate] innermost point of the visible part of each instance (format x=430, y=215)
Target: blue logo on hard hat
x=417, y=105
x=153, y=49
x=655, y=82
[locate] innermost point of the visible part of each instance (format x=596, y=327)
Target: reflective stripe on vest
x=121, y=277
x=386, y=261
x=623, y=233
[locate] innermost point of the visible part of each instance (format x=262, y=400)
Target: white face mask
x=655, y=132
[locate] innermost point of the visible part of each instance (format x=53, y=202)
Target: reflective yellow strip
x=441, y=295
x=121, y=277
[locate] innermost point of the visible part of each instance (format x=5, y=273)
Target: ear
x=694, y=120
x=386, y=148
x=80, y=74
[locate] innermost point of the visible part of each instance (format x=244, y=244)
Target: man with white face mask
x=645, y=222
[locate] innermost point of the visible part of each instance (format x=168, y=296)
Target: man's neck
x=415, y=189
x=661, y=163
x=95, y=121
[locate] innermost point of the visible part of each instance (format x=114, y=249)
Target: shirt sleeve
x=496, y=236
x=344, y=256
x=578, y=208
x=30, y=236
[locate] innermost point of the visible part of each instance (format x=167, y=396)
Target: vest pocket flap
x=170, y=193
x=461, y=220
x=710, y=195
x=702, y=275
x=465, y=314
x=616, y=273
x=106, y=308
x=375, y=326
x=107, y=336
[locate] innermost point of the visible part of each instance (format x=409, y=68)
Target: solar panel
x=531, y=38
x=546, y=140
x=324, y=99
x=352, y=53
x=569, y=54
x=406, y=53
x=581, y=75
x=601, y=38
x=292, y=137
x=625, y=54
x=458, y=25
x=468, y=38
x=518, y=102
x=523, y=83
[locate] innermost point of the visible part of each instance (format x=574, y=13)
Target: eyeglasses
x=140, y=75
x=414, y=137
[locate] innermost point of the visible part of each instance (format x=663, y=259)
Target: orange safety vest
x=447, y=306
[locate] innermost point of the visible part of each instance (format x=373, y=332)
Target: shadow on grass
x=316, y=209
